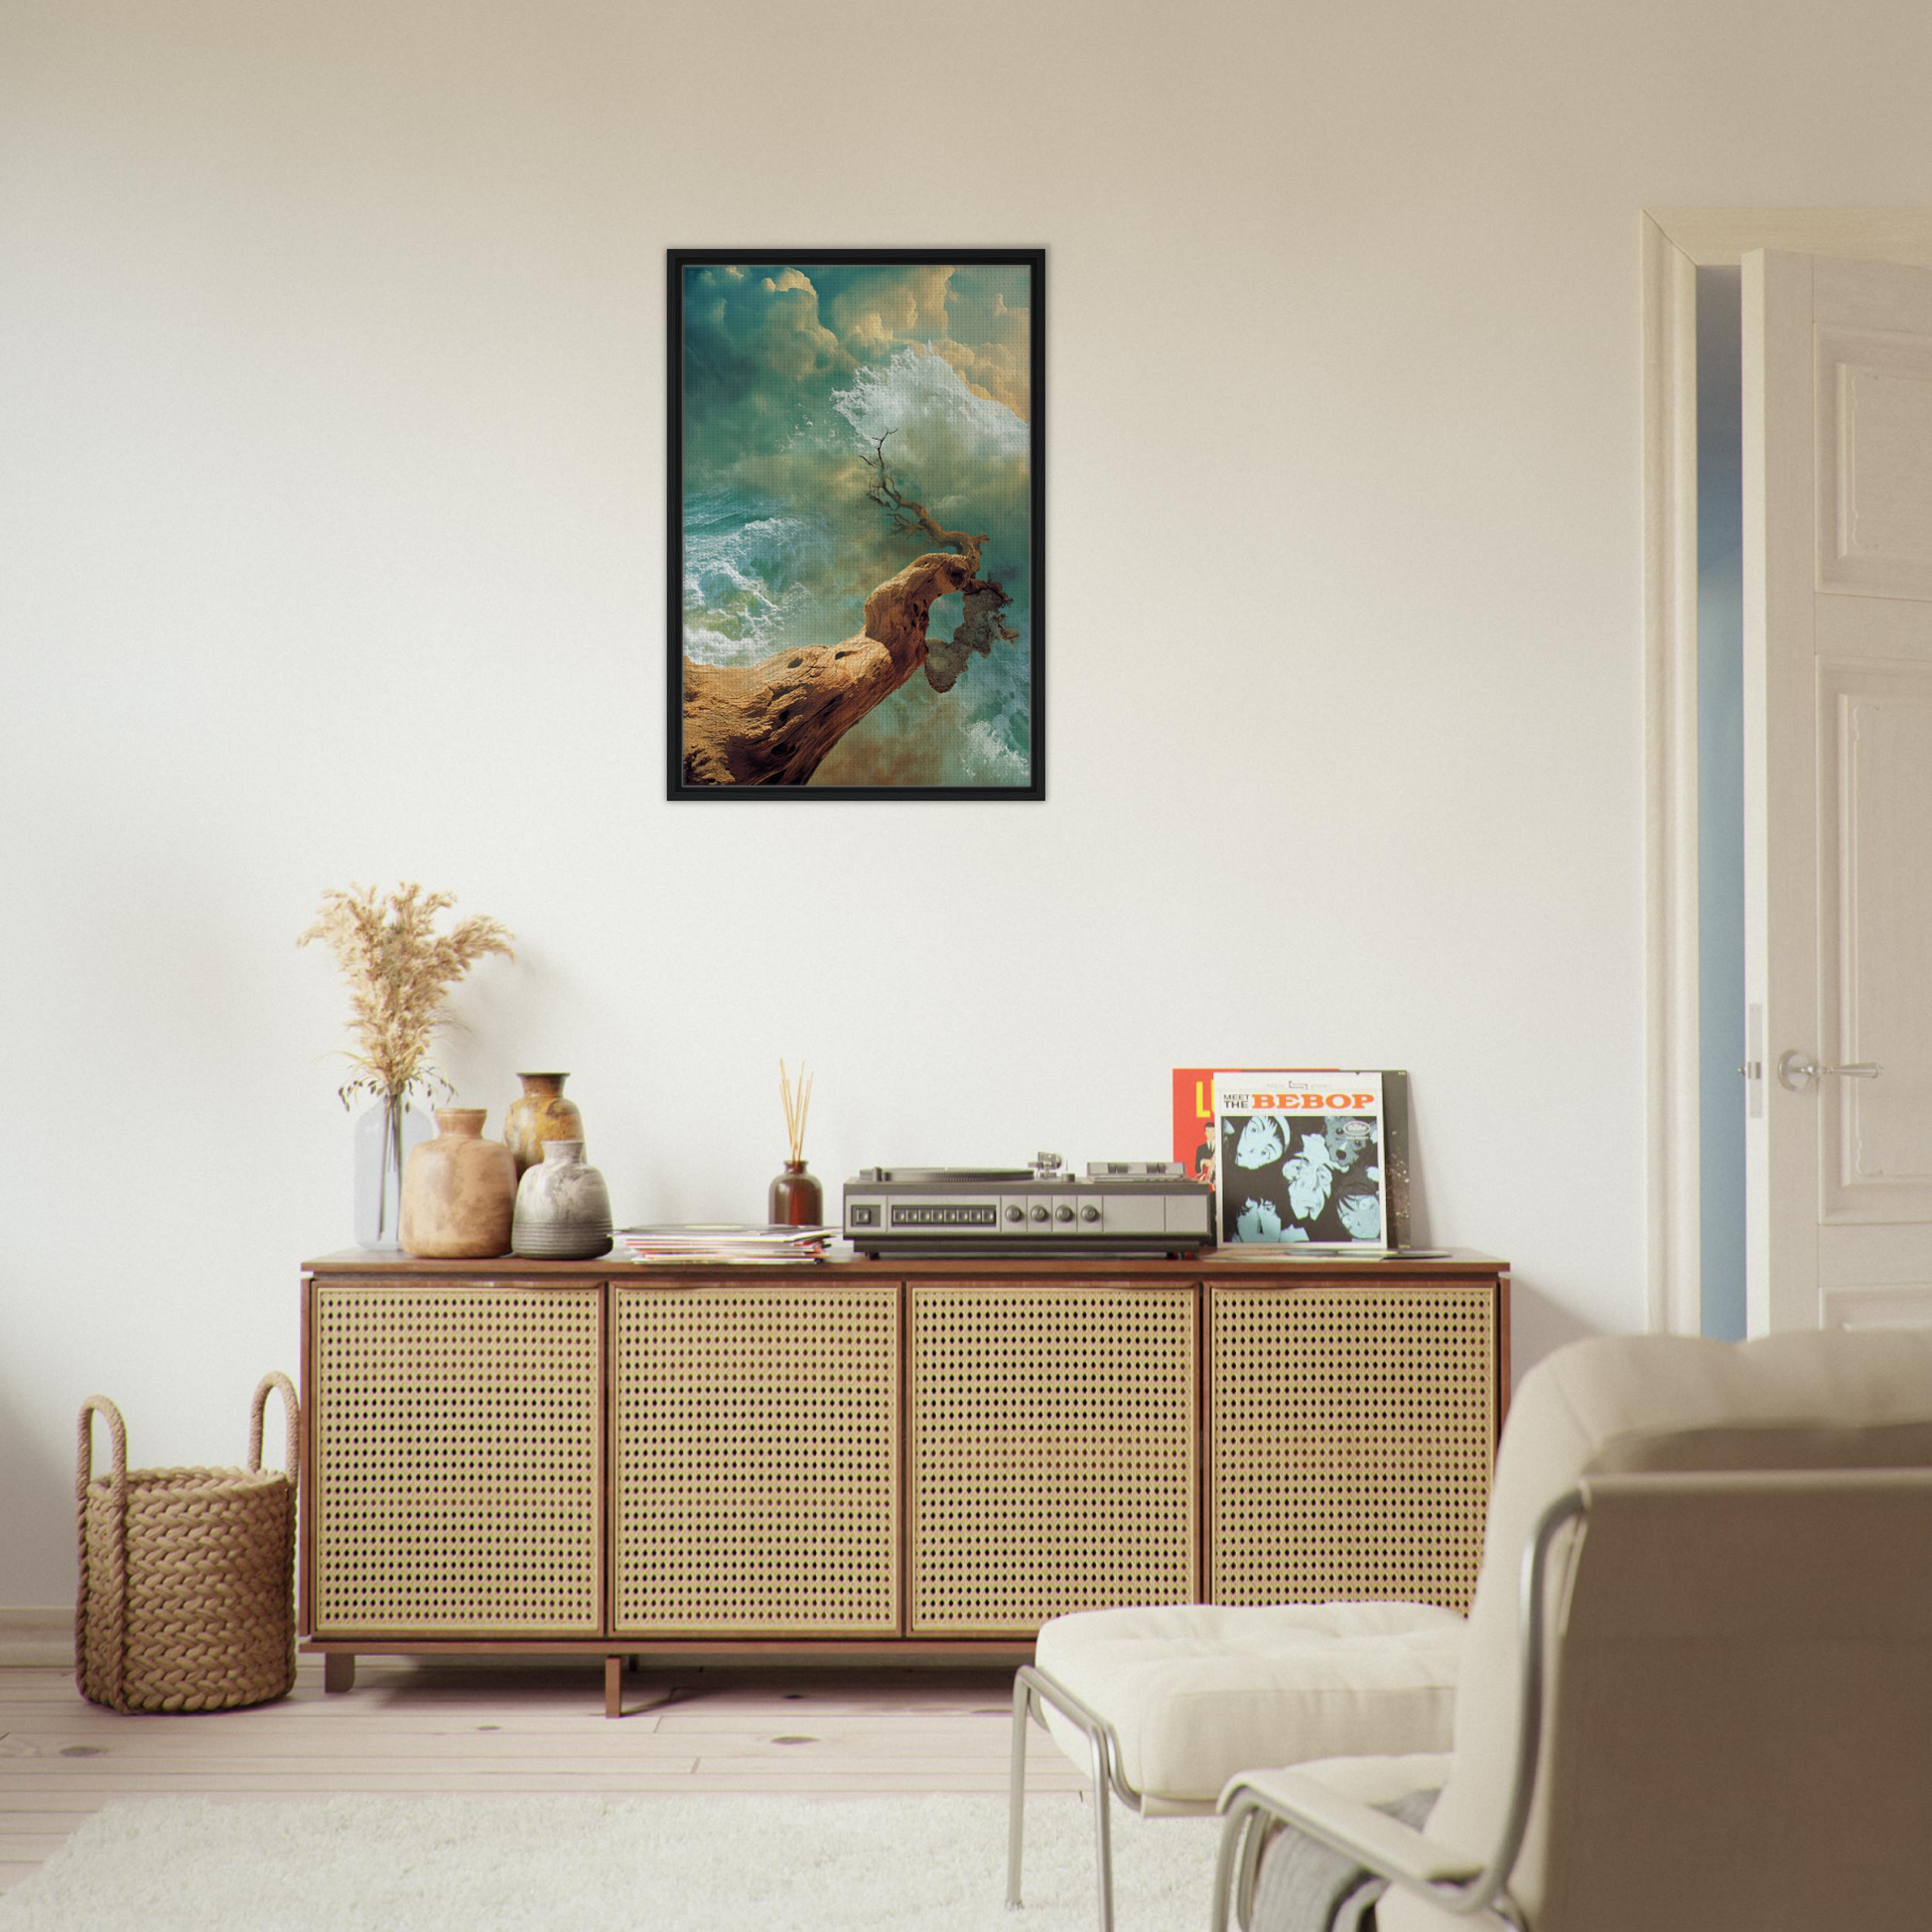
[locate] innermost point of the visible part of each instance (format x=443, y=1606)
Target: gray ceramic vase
x=563, y=1208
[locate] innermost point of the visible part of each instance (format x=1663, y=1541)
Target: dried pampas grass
x=398, y=969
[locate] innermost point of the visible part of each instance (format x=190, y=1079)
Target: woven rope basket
x=186, y=1575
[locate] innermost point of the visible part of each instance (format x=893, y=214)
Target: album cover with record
x=1300, y=1170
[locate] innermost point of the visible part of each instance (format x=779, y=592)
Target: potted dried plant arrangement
x=399, y=970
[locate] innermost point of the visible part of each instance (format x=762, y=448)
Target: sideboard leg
x=613, y=1686
x=339, y=1670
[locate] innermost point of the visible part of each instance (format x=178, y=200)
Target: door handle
x=1797, y=1071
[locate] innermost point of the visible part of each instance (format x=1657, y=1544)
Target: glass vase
x=384, y=1135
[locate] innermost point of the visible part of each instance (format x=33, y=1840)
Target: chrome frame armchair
x=1147, y=1711
x=1031, y=1690
x=1742, y=1571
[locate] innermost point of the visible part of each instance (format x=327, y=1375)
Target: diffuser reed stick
x=797, y=1104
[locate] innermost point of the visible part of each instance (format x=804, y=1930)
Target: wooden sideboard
x=879, y=1458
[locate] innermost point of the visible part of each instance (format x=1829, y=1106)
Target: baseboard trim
x=39, y=1635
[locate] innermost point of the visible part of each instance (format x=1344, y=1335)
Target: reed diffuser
x=795, y=1201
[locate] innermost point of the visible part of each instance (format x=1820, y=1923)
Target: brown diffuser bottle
x=795, y=1200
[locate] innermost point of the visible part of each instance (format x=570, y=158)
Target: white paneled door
x=1838, y=776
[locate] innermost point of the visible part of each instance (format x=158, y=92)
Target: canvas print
x=855, y=528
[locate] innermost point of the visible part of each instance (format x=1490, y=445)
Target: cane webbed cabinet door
x=1052, y=1440
x=756, y=1455
x=457, y=1456
x=1351, y=1437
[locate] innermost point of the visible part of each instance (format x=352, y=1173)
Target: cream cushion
x=1197, y=1692
x=1377, y=1780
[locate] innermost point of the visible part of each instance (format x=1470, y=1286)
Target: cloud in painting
x=754, y=352
x=893, y=303
x=989, y=372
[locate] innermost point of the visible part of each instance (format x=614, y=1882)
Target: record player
x=1125, y=1207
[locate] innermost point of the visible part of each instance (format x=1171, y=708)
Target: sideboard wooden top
x=1218, y=1264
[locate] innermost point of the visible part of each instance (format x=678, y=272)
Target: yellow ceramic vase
x=540, y=1114
x=458, y=1190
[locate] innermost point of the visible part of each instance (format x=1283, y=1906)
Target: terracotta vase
x=458, y=1190
x=540, y=1114
x=563, y=1208
x=795, y=1200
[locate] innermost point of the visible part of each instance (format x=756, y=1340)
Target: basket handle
x=292, y=1411
x=112, y=1640
x=117, y=1432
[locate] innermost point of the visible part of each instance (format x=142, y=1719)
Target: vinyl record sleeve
x=1197, y=1147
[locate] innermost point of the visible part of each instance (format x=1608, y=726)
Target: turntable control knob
x=1064, y=1213
x=1014, y=1212
x=1039, y=1214
x=1089, y=1213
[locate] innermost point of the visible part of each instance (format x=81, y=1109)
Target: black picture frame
x=745, y=736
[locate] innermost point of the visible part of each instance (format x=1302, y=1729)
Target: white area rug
x=763, y=1863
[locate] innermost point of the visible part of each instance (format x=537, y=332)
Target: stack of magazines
x=706, y=1242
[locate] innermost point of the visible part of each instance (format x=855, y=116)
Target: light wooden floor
x=510, y=1728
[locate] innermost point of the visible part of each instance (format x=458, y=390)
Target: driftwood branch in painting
x=773, y=722
x=908, y=515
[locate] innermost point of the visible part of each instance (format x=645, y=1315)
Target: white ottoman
x=1165, y=1704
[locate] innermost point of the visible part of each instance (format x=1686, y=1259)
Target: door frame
x=1676, y=243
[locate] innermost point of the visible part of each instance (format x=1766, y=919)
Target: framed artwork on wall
x=855, y=528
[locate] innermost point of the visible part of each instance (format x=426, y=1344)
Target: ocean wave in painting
x=936, y=420
x=748, y=577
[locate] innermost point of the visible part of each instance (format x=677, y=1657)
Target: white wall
x=331, y=442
